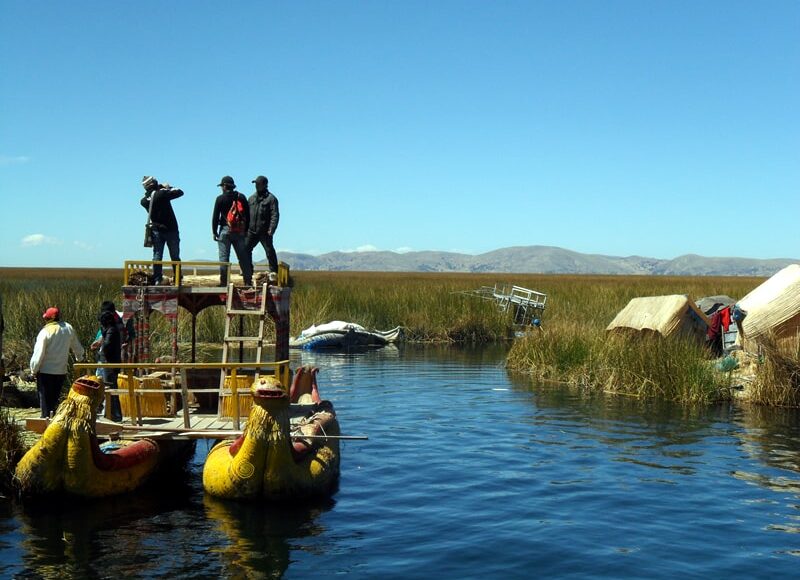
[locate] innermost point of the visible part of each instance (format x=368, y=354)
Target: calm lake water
x=469, y=472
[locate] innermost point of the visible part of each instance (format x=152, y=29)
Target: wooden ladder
x=230, y=339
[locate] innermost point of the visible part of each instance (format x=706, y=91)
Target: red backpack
x=235, y=217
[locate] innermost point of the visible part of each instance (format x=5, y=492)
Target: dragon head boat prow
x=268, y=388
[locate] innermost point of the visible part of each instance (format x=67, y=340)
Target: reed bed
x=431, y=307
x=12, y=448
x=571, y=346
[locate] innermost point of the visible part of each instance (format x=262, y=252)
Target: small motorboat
x=344, y=335
x=289, y=449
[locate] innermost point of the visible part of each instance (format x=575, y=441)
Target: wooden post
x=235, y=394
x=136, y=413
x=185, y=394
x=194, y=337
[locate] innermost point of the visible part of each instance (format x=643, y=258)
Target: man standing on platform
x=264, y=217
x=50, y=357
x=157, y=201
x=229, y=224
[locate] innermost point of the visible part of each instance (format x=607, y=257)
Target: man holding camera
x=157, y=201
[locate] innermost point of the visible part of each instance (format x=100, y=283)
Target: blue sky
x=651, y=128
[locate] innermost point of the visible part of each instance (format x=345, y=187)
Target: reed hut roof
x=774, y=307
x=665, y=315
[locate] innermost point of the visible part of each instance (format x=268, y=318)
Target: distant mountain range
x=534, y=260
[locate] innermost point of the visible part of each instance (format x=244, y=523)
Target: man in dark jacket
x=231, y=231
x=157, y=201
x=263, y=221
x=111, y=349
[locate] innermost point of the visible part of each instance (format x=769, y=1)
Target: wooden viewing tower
x=187, y=399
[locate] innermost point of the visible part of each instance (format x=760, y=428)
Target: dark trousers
x=49, y=389
x=224, y=242
x=266, y=242
x=173, y=242
x=110, y=380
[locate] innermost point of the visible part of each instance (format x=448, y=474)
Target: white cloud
x=404, y=250
x=39, y=240
x=13, y=160
x=364, y=248
x=83, y=245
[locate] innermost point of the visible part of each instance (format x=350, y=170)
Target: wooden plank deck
x=202, y=426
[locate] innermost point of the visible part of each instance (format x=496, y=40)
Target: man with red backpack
x=229, y=224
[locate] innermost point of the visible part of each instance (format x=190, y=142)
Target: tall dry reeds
x=431, y=307
x=777, y=378
x=12, y=447
x=571, y=345
x=574, y=347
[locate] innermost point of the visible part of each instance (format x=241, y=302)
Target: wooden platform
x=201, y=427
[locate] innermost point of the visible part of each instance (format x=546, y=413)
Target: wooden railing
x=133, y=266
x=179, y=382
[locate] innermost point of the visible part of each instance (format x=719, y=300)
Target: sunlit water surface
x=469, y=471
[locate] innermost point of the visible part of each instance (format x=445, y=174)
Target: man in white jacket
x=50, y=357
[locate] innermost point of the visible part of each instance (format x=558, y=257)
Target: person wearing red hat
x=50, y=356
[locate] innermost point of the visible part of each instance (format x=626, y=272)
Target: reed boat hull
x=68, y=458
x=289, y=451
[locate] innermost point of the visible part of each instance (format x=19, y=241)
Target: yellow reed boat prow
x=289, y=448
x=68, y=458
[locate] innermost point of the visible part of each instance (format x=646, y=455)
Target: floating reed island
x=668, y=346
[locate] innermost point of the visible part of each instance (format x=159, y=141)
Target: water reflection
x=99, y=537
x=679, y=441
x=772, y=436
x=470, y=470
x=259, y=538
x=409, y=353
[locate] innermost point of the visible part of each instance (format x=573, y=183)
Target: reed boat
x=343, y=335
x=69, y=459
x=289, y=449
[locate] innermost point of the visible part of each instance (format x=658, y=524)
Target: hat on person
x=227, y=180
x=260, y=180
x=148, y=180
x=51, y=313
